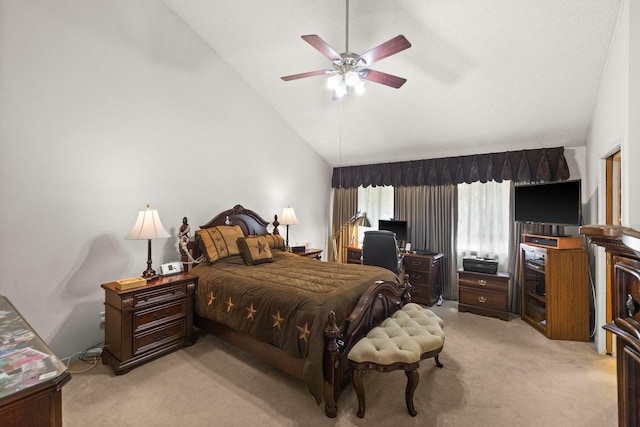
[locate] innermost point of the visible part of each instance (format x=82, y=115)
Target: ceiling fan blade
x=322, y=47
x=388, y=48
x=307, y=74
x=383, y=78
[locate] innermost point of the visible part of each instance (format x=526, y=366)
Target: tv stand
x=553, y=242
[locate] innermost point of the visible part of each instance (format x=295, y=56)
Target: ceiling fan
x=350, y=69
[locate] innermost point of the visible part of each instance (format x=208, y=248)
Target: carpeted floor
x=495, y=374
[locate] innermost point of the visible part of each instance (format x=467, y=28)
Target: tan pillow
x=221, y=241
x=255, y=250
x=275, y=241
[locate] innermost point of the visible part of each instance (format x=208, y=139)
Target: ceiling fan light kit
x=349, y=69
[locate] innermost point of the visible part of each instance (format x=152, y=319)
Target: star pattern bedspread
x=284, y=303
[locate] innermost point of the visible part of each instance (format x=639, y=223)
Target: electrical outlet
x=101, y=315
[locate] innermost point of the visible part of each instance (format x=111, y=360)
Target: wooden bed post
x=331, y=367
x=406, y=290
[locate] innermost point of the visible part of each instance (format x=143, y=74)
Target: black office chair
x=380, y=248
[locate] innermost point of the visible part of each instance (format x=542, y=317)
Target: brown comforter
x=284, y=303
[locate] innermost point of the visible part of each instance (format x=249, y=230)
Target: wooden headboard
x=250, y=222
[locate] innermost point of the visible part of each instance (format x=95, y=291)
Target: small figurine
x=183, y=240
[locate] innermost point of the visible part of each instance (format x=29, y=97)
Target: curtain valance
x=544, y=164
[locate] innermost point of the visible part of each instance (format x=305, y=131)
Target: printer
x=480, y=265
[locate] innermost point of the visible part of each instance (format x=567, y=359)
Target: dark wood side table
x=482, y=293
x=310, y=253
x=149, y=321
x=354, y=255
x=32, y=375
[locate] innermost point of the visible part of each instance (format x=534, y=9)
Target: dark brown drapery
x=543, y=164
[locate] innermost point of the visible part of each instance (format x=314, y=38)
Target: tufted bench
x=402, y=340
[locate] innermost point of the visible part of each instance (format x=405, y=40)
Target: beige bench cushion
x=402, y=337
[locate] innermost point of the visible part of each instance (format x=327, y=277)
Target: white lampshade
x=288, y=217
x=148, y=226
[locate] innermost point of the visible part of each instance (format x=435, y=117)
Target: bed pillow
x=275, y=241
x=221, y=241
x=255, y=250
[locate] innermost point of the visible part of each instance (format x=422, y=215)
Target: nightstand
x=149, y=321
x=354, y=255
x=310, y=253
x=486, y=294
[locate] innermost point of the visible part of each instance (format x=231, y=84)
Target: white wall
x=108, y=106
x=610, y=131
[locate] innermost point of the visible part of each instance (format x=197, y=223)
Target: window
x=377, y=203
x=483, y=221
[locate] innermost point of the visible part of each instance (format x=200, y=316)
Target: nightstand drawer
x=147, y=341
x=483, y=283
x=479, y=298
x=156, y=296
x=151, y=317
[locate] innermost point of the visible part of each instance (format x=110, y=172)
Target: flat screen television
x=553, y=203
x=398, y=227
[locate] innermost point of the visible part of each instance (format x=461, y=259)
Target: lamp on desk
x=288, y=218
x=358, y=219
x=147, y=227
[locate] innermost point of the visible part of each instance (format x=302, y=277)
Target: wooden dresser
x=424, y=275
x=146, y=322
x=623, y=270
x=482, y=293
x=32, y=375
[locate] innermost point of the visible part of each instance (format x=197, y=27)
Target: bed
x=298, y=314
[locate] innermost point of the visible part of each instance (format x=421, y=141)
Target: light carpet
x=495, y=373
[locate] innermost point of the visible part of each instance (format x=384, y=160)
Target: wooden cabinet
x=555, y=291
x=486, y=294
x=423, y=272
x=146, y=322
x=354, y=255
x=32, y=375
x=623, y=245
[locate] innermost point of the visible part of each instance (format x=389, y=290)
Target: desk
x=31, y=375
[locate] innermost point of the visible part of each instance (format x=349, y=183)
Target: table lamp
x=147, y=227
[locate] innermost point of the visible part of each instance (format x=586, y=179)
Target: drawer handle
x=158, y=337
x=482, y=299
x=482, y=282
x=160, y=315
x=417, y=276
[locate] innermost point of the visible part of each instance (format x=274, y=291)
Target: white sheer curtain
x=377, y=203
x=483, y=221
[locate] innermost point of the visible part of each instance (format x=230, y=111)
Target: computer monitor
x=398, y=227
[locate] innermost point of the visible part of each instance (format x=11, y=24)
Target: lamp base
x=149, y=274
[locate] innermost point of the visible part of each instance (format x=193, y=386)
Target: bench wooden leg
x=437, y=359
x=412, y=382
x=356, y=378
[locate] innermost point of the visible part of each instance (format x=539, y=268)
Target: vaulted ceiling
x=482, y=75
